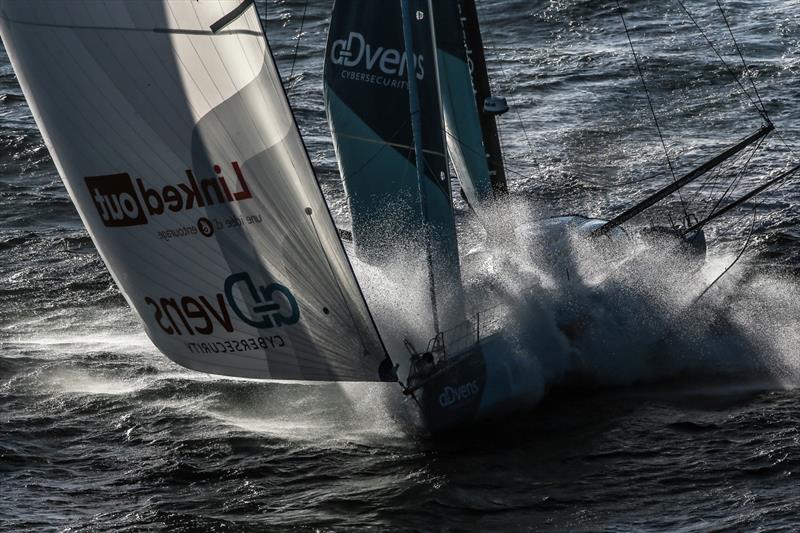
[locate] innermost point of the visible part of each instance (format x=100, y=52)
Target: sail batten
x=181, y=153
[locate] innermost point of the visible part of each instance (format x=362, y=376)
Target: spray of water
x=582, y=311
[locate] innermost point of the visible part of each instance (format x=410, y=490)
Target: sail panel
x=462, y=116
x=367, y=104
x=476, y=60
x=367, y=100
x=180, y=151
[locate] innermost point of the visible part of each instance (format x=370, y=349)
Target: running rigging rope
x=763, y=109
x=652, y=108
x=713, y=182
x=735, y=182
x=739, y=256
x=297, y=44
x=783, y=180
x=741, y=56
x=760, y=107
x=516, y=108
x=725, y=63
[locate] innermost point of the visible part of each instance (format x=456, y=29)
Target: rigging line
x=749, y=77
x=764, y=199
x=714, y=176
x=662, y=193
x=269, y=54
x=713, y=181
x=727, y=67
x=480, y=153
x=741, y=253
x=382, y=148
x=650, y=103
x=779, y=180
x=735, y=182
x=741, y=56
x=783, y=141
x=731, y=226
x=297, y=44
x=729, y=190
x=516, y=108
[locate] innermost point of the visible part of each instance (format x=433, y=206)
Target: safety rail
x=459, y=339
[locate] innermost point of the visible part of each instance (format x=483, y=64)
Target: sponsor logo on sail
x=205, y=227
x=378, y=65
x=122, y=201
x=273, y=304
x=453, y=395
x=262, y=306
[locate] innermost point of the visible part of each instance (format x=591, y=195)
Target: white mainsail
x=180, y=151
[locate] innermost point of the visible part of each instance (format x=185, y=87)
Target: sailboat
x=466, y=373
x=171, y=129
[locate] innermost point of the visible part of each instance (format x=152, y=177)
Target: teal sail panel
x=367, y=102
x=462, y=118
x=472, y=136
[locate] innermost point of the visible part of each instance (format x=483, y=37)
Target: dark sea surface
x=98, y=431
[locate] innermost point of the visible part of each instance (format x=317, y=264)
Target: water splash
x=607, y=312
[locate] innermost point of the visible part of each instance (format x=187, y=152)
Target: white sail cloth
x=180, y=151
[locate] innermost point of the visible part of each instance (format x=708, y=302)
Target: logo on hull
x=453, y=395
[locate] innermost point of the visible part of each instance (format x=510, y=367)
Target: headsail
x=367, y=99
x=180, y=151
x=472, y=137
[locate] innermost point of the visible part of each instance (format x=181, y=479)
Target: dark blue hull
x=488, y=382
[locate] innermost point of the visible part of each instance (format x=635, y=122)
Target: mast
x=682, y=182
x=416, y=127
x=476, y=58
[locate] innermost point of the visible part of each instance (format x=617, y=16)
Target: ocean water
x=667, y=415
